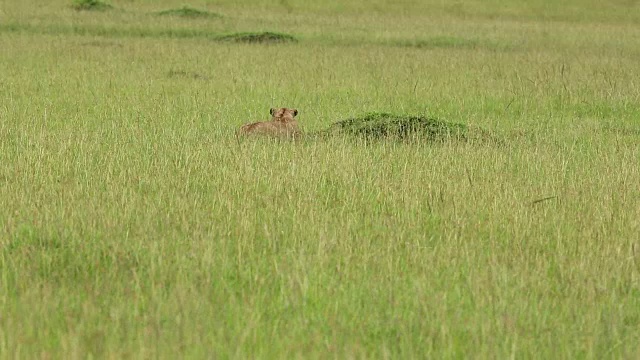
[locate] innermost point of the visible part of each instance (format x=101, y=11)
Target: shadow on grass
x=186, y=75
x=189, y=12
x=452, y=42
x=102, y=44
x=440, y=42
x=55, y=258
x=91, y=5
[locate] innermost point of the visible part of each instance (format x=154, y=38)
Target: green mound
x=188, y=12
x=258, y=38
x=374, y=126
x=90, y=5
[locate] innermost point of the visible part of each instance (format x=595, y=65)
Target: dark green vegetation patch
x=374, y=126
x=441, y=42
x=188, y=12
x=187, y=75
x=91, y=5
x=453, y=42
x=258, y=38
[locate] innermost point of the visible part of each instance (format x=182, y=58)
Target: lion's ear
x=272, y=111
x=295, y=112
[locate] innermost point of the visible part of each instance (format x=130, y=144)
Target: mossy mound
x=91, y=5
x=258, y=38
x=375, y=126
x=188, y=12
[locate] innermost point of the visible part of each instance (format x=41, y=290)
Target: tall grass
x=132, y=224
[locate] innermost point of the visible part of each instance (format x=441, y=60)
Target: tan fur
x=282, y=125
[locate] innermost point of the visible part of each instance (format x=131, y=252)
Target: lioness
x=282, y=125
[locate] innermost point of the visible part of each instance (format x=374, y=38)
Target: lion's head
x=283, y=114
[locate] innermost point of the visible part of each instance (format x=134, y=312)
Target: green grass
x=134, y=225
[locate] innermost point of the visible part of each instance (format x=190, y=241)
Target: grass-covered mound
x=258, y=38
x=91, y=5
x=383, y=125
x=188, y=12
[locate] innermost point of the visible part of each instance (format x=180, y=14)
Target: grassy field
x=133, y=225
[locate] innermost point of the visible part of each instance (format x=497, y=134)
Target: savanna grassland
x=134, y=225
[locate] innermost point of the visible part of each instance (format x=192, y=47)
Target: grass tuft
x=258, y=38
x=91, y=5
x=188, y=12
